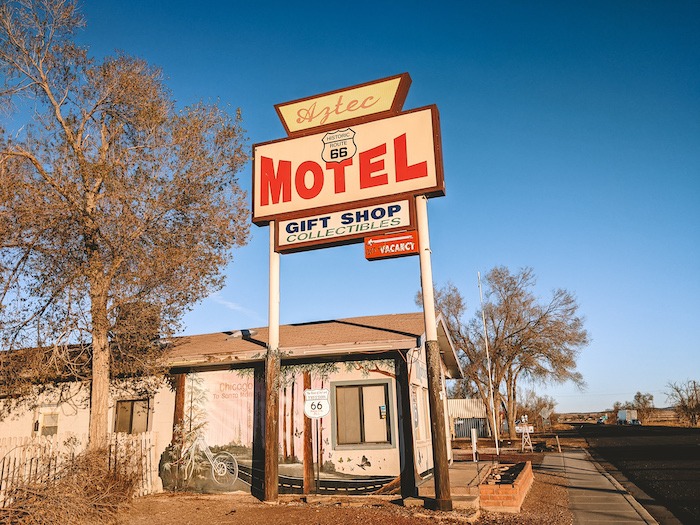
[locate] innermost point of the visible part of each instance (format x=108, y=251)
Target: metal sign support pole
x=272, y=373
x=318, y=456
x=495, y=431
x=434, y=367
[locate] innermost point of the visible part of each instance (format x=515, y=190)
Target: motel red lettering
x=339, y=173
x=310, y=177
x=403, y=170
x=303, y=190
x=368, y=166
x=275, y=184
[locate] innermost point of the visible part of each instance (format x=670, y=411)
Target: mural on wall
x=207, y=459
x=219, y=413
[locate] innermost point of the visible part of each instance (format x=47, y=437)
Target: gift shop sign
x=360, y=164
x=342, y=227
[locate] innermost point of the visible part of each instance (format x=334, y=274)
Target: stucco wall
x=72, y=407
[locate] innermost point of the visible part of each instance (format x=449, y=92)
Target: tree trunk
x=490, y=415
x=512, y=408
x=99, y=397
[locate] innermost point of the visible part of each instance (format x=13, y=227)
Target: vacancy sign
x=376, y=161
x=397, y=244
x=342, y=227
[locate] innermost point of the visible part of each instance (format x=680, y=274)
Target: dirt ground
x=547, y=502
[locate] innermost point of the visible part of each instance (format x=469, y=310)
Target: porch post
x=406, y=450
x=434, y=367
x=308, y=445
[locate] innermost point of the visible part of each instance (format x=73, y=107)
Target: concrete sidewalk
x=594, y=495
x=465, y=477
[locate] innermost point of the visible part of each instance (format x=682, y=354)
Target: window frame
x=390, y=411
x=44, y=426
x=133, y=401
x=40, y=425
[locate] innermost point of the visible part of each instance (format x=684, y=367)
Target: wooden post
x=437, y=426
x=406, y=454
x=272, y=372
x=308, y=445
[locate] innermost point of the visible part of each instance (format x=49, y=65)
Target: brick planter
x=506, y=497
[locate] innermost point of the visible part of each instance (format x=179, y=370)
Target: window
x=362, y=414
x=49, y=424
x=132, y=416
x=45, y=421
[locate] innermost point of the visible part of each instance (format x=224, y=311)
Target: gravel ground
x=546, y=503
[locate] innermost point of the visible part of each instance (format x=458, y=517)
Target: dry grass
x=85, y=491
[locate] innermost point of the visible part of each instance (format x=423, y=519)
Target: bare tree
x=533, y=405
x=461, y=389
x=642, y=403
x=685, y=398
x=117, y=211
x=530, y=340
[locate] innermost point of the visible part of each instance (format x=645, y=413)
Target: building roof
x=335, y=337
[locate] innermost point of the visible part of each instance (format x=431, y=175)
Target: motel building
x=371, y=423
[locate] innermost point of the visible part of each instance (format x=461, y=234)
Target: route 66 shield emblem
x=339, y=145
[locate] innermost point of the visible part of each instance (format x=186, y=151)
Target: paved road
x=664, y=462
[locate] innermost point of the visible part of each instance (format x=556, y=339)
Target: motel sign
x=354, y=167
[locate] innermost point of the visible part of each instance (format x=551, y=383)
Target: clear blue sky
x=571, y=135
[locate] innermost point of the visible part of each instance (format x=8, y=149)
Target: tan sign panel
x=370, y=162
x=327, y=110
x=343, y=227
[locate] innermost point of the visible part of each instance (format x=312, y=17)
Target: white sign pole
x=274, y=307
x=272, y=373
x=426, y=268
x=443, y=497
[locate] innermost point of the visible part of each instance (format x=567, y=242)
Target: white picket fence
x=37, y=459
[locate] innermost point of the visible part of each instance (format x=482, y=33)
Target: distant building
x=466, y=414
